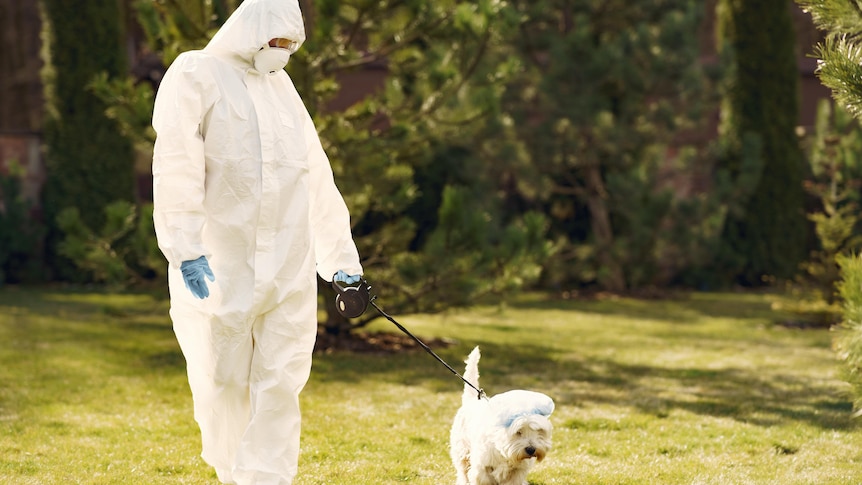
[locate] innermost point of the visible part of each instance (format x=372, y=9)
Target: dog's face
x=525, y=438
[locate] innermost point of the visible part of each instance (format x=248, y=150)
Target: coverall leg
x=246, y=373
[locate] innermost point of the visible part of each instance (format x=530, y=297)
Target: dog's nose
x=530, y=450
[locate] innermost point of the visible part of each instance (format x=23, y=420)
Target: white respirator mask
x=271, y=59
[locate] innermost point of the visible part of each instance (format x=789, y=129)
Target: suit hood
x=252, y=25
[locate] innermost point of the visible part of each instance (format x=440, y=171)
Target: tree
x=408, y=156
x=89, y=162
x=604, y=89
x=122, y=250
x=840, y=58
x=175, y=26
x=848, y=342
x=405, y=155
x=833, y=150
x=761, y=101
x=836, y=179
x=840, y=69
x=170, y=28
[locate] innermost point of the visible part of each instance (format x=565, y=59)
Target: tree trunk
x=610, y=274
x=307, y=7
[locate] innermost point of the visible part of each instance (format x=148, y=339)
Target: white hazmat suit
x=241, y=178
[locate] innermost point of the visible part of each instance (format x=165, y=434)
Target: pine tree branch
x=198, y=31
x=355, y=28
x=840, y=69
x=465, y=75
x=410, y=34
x=839, y=17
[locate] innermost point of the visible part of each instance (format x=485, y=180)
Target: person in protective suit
x=246, y=213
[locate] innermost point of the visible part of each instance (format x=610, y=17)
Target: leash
x=481, y=392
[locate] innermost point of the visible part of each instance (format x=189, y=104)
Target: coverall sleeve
x=330, y=219
x=179, y=167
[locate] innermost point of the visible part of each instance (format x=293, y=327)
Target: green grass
x=702, y=389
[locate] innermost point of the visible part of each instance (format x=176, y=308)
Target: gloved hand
x=194, y=272
x=345, y=278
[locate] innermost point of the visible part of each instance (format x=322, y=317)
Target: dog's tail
x=471, y=375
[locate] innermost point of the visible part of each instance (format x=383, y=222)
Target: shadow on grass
x=679, y=308
x=129, y=331
x=739, y=394
x=742, y=395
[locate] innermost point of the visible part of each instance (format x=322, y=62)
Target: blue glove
x=194, y=272
x=345, y=278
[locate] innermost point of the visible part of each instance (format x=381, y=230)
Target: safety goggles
x=282, y=43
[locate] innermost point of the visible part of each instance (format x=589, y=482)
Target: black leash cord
x=481, y=393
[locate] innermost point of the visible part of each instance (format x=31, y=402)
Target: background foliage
x=20, y=234
x=89, y=162
x=428, y=225
x=499, y=146
x=768, y=237
x=596, y=115
x=839, y=70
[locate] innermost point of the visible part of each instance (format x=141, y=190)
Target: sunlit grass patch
x=703, y=388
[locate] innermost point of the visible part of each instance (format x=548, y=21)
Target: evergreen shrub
x=848, y=340
x=21, y=235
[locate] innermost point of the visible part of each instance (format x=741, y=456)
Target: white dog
x=496, y=441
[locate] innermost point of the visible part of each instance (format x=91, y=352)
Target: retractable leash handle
x=351, y=301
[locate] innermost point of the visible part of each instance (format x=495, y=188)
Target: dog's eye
x=518, y=433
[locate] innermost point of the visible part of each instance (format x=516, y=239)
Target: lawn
x=699, y=389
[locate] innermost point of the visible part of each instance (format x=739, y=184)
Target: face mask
x=271, y=59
